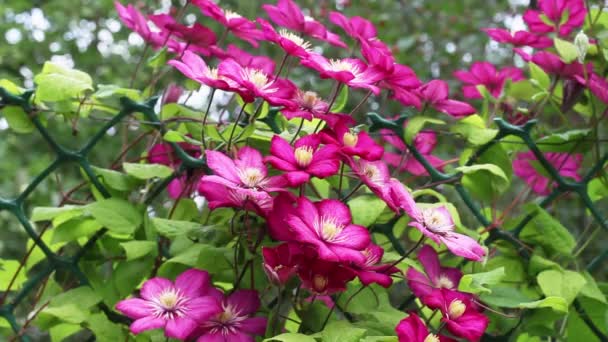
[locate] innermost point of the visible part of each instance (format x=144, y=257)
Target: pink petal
x=354, y=236
x=463, y=246
x=180, y=327
x=430, y=261
x=193, y=282
x=134, y=307
x=254, y=325
x=152, y=288
x=244, y=302
x=222, y=165
x=336, y=210
x=202, y=308
x=146, y=323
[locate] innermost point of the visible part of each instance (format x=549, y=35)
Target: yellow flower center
x=436, y=222
x=213, y=74
x=373, y=174
x=431, y=338
x=342, y=65
x=308, y=99
x=168, y=299
x=303, y=155
x=350, y=139
x=251, y=176
x=445, y=282
x=319, y=282
x=456, y=309
x=231, y=15
x=257, y=77
x=330, y=229
x=294, y=38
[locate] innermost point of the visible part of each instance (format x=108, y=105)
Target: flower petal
x=134, y=307
x=146, y=323
x=153, y=287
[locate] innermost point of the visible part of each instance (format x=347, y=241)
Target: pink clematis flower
x=197, y=37
x=403, y=82
x=352, y=143
x=597, y=84
x=195, y=68
x=413, y=329
x=553, y=64
x=240, y=26
x=327, y=225
x=438, y=225
x=519, y=38
x=356, y=27
x=137, y=22
x=484, y=73
x=564, y=16
x=287, y=14
x=324, y=277
x=246, y=60
x=177, y=307
x=235, y=322
x=434, y=276
x=350, y=71
x=306, y=105
x=566, y=164
x=281, y=262
x=256, y=83
x=373, y=271
x=424, y=142
x=304, y=159
x=459, y=313
x=290, y=42
x=435, y=93
x=241, y=183
x=163, y=154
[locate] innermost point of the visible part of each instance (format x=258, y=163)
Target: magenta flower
x=306, y=105
x=553, y=64
x=459, y=313
x=424, y=142
x=281, y=262
x=197, y=37
x=373, y=271
x=304, y=160
x=356, y=27
x=437, y=224
x=597, y=85
x=235, y=321
x=256, y=83
x=564, y=16
x=287, y=14
x=290, y=42
x=567, y=165
x=350, y=71
x=194, y=67
x=435, y=93
x=246, y=60
x=519, y=38
x=241, y=183
x=413, y=329
x=484, y=73
x=352, y=143
x=324, y=277
x=403, y=81
x=163, y=154
x=434, y=276
x=177, y=307
x=137, y=22
x=241, y=27
x=327, y=225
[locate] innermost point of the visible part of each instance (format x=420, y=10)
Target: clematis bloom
x=434, y=277
x=324, y=277
x=306, y=105
x=373, y=271
x=567, y=165
x=240, y=26
x=350, y=71
x=413, y=329
x=290, y=42
x=304, y=159
x=435, y=93
x=281, y=262
x=236, y=320
x=351, y=142
x=561, y=16
x=177, y=307
x=195, y=68
x=356, y=27
x=519, y=38
x=484, y=73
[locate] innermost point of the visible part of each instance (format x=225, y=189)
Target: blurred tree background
x=433, y=37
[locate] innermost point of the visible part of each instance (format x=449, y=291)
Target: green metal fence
x=55, y=261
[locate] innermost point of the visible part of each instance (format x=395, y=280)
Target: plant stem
x=236, y=123
x=205, y=118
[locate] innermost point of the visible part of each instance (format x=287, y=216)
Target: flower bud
x=456, y=309
x=581, y=41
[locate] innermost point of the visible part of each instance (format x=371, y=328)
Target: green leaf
x=567, y=51
x=159, y=59
x=539, y=77
x=48, y=213
x=341, y=101
x=138, y=249
x=591, y=290
x=109, y=90
x=366, y=209
x=147, y=171
x=60, y=331
x=8, y=269
x=476, y=283
x=565, y=284
x=74, y=229
x=598, y=189
x=547, y=231
x=569, y=141
x=57, y=83
x=104, y=329
x=341, y=331
x=17, y=119
x=83, y=296
x=118, y=215
x=485, y=181
x=555, y=303
x=174, y=228
x=416, y=124
x=509, y=297
x=115, y=180
x=474, y=130
x=291, y=337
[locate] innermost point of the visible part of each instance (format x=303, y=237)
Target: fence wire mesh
x=56, y=261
